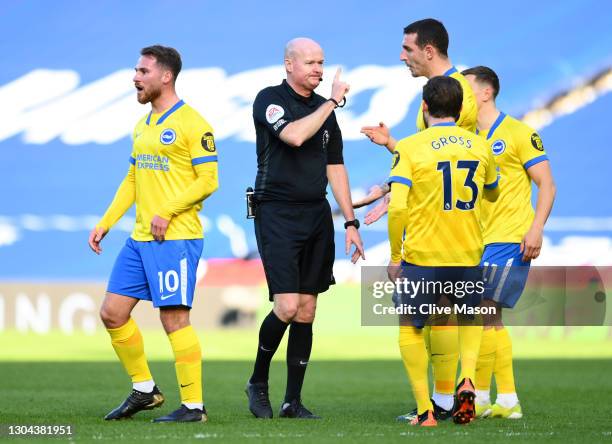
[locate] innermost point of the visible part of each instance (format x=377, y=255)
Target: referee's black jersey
x=285, y=173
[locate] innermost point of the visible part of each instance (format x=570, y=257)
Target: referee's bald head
x=300, y=45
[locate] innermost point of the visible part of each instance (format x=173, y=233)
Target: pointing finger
x=337, y=76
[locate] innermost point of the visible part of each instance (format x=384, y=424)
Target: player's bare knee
x=286, y=310
x=305, y=315
x=106, y=317
x=116, y=309
x=112, y=318
x=286, y=313
x=497, y=318
x=493, y=310
x=488, y=320
x=305, y=318
x=306, y=309
x=174, y=319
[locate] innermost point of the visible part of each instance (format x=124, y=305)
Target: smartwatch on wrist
x=351, y=223
x=336, y=103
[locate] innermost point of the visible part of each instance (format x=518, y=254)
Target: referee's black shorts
x=296, y=245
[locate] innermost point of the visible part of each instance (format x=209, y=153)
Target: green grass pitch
x=563, y=400
x=355, y=381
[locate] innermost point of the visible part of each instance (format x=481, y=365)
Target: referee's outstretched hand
x=339, y=88
x=353, y=238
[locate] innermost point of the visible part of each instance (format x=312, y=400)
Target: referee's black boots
x=259, y=400
x=295, y=409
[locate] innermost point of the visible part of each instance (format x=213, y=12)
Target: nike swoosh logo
x=183, y=386
x=264, y=349
x=163, y=298
x=303, y=362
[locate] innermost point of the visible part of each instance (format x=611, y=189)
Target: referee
x=299, y=150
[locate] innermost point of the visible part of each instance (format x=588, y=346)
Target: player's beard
x=145, y=96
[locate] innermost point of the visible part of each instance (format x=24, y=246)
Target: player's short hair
x=165, y=56
x=429, y=32
x=484, y=74
x=443, y=96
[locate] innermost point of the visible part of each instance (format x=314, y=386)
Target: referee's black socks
x=270, y=335
x=298, y=354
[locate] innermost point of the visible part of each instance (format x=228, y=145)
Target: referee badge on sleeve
x=208, y=142
x=274, y=112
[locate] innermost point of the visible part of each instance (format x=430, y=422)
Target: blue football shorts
x=161, y=272
x=504, y=272
x=432, y=280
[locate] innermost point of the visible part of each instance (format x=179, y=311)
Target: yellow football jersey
x=437, y=178
x=516, y=147
x=469, y=109
x=173, y=168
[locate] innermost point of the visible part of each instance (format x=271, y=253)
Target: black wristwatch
x=351, y=223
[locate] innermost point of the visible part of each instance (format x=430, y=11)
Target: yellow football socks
x=444, y=352
x=129, y=346
x=427, y=338
x=188, y=356
x=504, y=375
x=469, y=347
x=414, y=356
x=486, y=360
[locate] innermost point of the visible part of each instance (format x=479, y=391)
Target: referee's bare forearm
x=338, y=180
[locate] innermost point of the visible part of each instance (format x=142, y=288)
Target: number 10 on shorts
x=170, y=281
